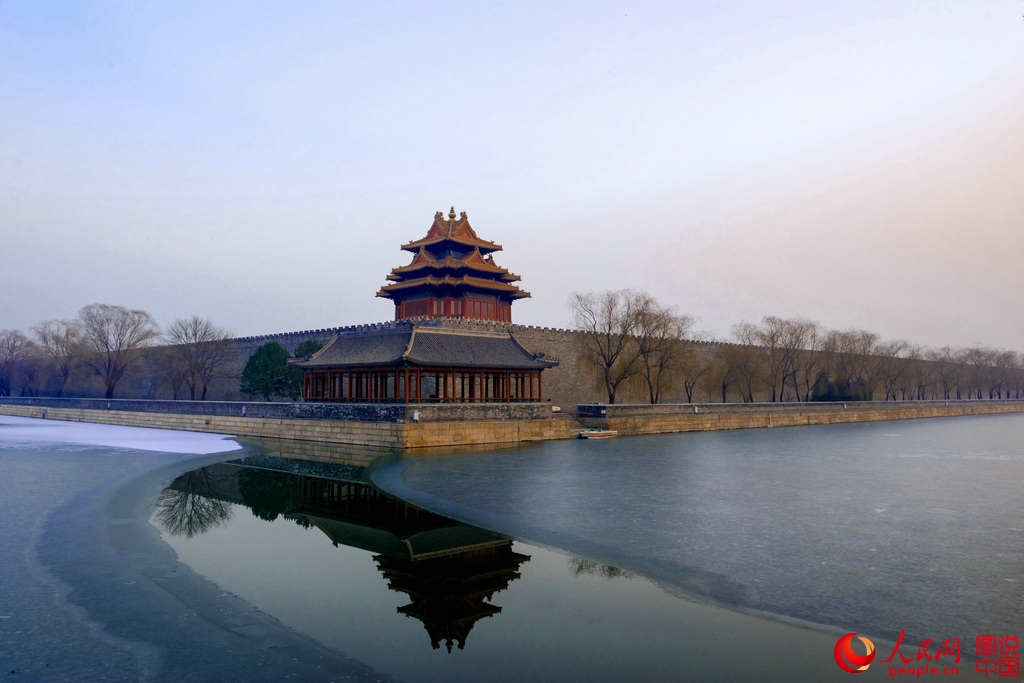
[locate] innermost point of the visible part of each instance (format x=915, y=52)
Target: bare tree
x=843, y=366
x=864, y=351
x=779, y=343
x=696, y=360
x=204, y=349
x=189, y=506
x=1018, y=376
x=918, y=376
x=609, y=322
x=947, y=363
x=15, y=349
x=170, y=369
x=746, y=360
x=974, y=375
x=803, y=338
x=579, y=566
x=893, y=360
x=61, y=341
x=31, y=373
x=1003, y=365
x=112, y=337
x=722, y=375
x=660, y=335
x=769, y=337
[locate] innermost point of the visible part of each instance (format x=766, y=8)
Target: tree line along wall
x=576, y=380
x=572, y=382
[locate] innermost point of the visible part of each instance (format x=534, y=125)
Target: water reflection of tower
x=450, y=594
x=449, y=570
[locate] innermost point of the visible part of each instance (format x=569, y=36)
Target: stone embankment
x=377, y=425
x=662, y=419
x=389, y=426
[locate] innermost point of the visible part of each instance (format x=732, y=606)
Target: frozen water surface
x=912, y=526
x=875, y=528
x=331, y=558
x=89, y=591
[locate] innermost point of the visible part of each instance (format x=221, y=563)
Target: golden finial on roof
x=451, y=214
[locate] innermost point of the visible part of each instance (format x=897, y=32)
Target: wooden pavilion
x=423, y=361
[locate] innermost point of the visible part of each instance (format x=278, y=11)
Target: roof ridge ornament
x=451, y=214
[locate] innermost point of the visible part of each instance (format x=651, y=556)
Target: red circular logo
x=849, y=660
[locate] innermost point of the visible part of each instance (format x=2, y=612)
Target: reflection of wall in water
x=319, y=451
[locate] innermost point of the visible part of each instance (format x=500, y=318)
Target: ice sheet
x=90, y=593
x=26, y=429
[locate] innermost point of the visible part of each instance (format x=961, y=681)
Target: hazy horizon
x=260, y=164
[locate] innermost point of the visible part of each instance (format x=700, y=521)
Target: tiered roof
x=452, y=258
x=406, y=343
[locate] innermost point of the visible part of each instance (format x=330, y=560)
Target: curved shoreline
x=96, y=594
x=224, y=634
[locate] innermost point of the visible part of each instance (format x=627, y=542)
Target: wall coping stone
x=617, y=410
x=350, y=412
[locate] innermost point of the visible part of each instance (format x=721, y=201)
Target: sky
x=259, y=163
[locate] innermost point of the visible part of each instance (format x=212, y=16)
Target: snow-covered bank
x=25, y=429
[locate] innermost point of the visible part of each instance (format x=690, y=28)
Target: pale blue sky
x=259, y=163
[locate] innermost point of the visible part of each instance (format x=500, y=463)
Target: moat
x=706, y=556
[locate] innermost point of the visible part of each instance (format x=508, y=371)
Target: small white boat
x=598, y=433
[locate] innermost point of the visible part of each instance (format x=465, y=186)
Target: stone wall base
x=384, y=435
x=753, y=416
x=626, y=420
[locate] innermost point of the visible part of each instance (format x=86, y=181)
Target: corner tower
x=452, y=275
